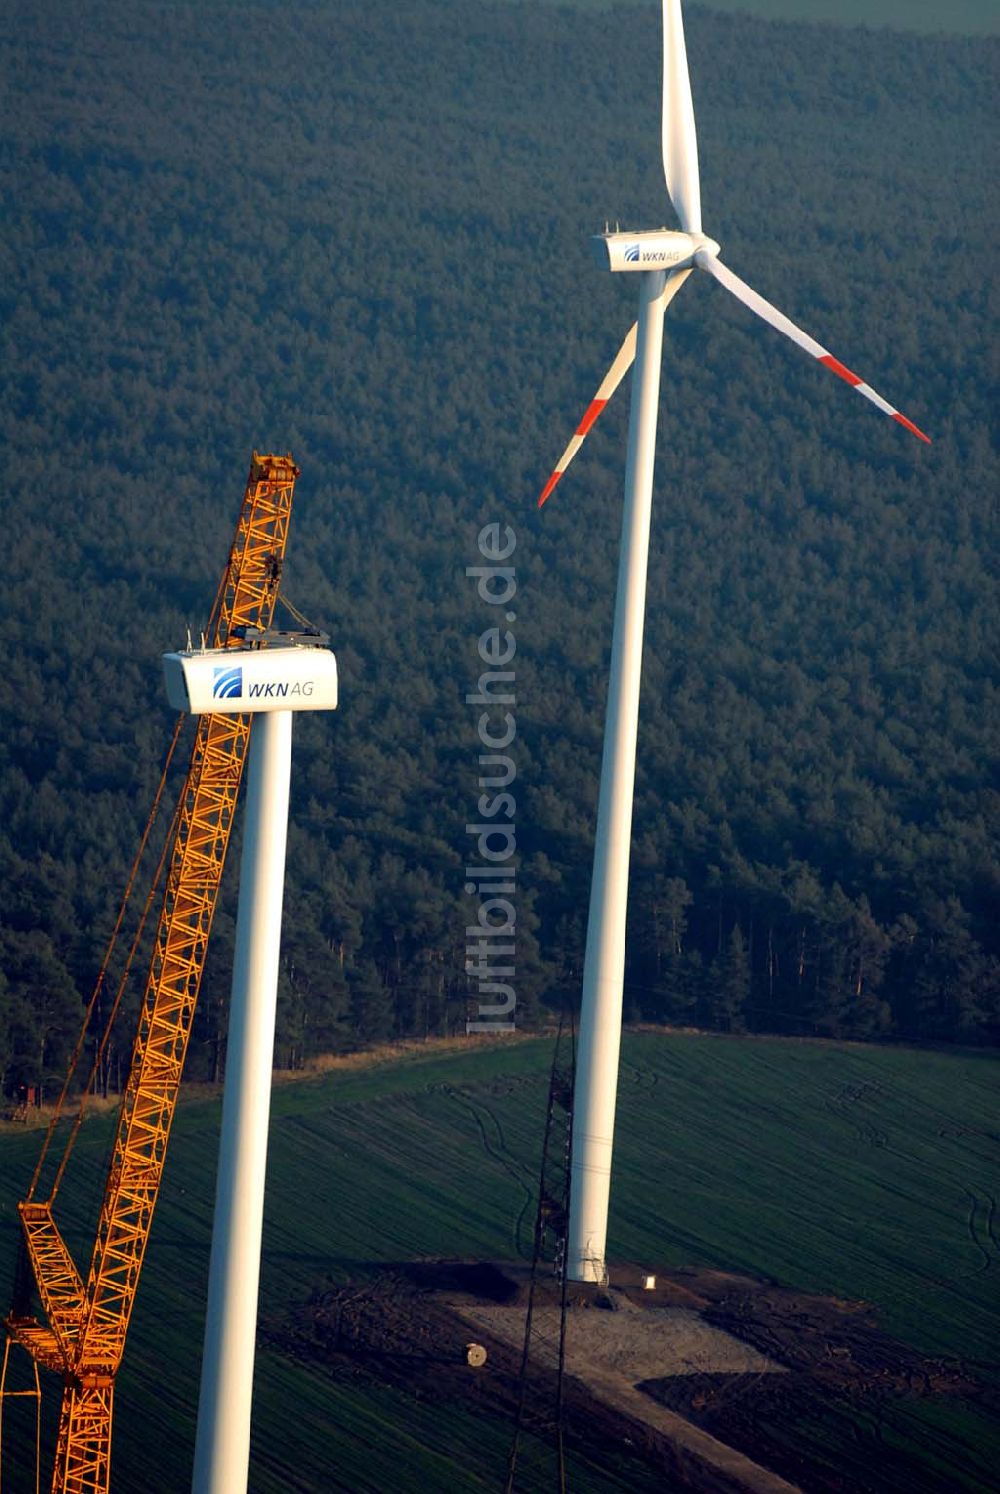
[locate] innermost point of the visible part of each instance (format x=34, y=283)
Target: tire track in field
x=866, y=1430
x=496, y=1149
x=641, y=1078
x=980, y=1220
x=843, y=1105
x=990, y=1249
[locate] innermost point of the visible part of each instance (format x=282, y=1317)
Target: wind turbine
x=663, y=259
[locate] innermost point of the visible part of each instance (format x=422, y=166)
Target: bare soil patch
x=821, y=1424
x=704, y=1380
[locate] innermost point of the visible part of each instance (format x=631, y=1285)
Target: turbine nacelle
x=654, y=249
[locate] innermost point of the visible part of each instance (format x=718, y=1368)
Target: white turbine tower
x=663, y=259
x=272, y=683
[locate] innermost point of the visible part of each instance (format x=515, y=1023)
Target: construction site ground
x=717, y=1382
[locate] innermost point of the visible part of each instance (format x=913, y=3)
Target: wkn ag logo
x=228, y=682
x=228, y=685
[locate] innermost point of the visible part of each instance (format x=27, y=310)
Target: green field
x=864, y=1172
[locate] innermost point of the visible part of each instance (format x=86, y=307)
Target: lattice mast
x=83, y=1336
x=550, y=1239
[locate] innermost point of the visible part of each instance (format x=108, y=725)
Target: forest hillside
x=359, y=233
x=964, y=17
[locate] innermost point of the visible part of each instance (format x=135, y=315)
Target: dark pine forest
x=359, y=232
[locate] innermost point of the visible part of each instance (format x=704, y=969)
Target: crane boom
x=86, y=1323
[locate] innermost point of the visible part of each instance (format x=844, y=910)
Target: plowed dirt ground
x=705, y=1378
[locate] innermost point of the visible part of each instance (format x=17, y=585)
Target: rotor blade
x=777, y=319
x=624, y=359
x=680, y=142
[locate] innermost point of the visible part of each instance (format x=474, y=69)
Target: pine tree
x=371, y=1004
x=730, y=984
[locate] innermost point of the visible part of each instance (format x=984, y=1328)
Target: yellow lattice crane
x=81, y=1333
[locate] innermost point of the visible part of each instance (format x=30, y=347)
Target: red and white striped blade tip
x=781, y=323
x=849, y=377
x=579, y=435
x=620, y=365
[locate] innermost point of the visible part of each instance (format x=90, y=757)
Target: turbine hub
x=707, y=249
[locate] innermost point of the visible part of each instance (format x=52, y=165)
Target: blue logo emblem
x=228, y=682
x=632, y=254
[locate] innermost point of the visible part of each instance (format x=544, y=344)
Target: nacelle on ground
x=230, y=681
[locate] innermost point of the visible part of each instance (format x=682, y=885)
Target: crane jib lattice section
x=83, y=1450
x=164, y=1027
x=88, y=1325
